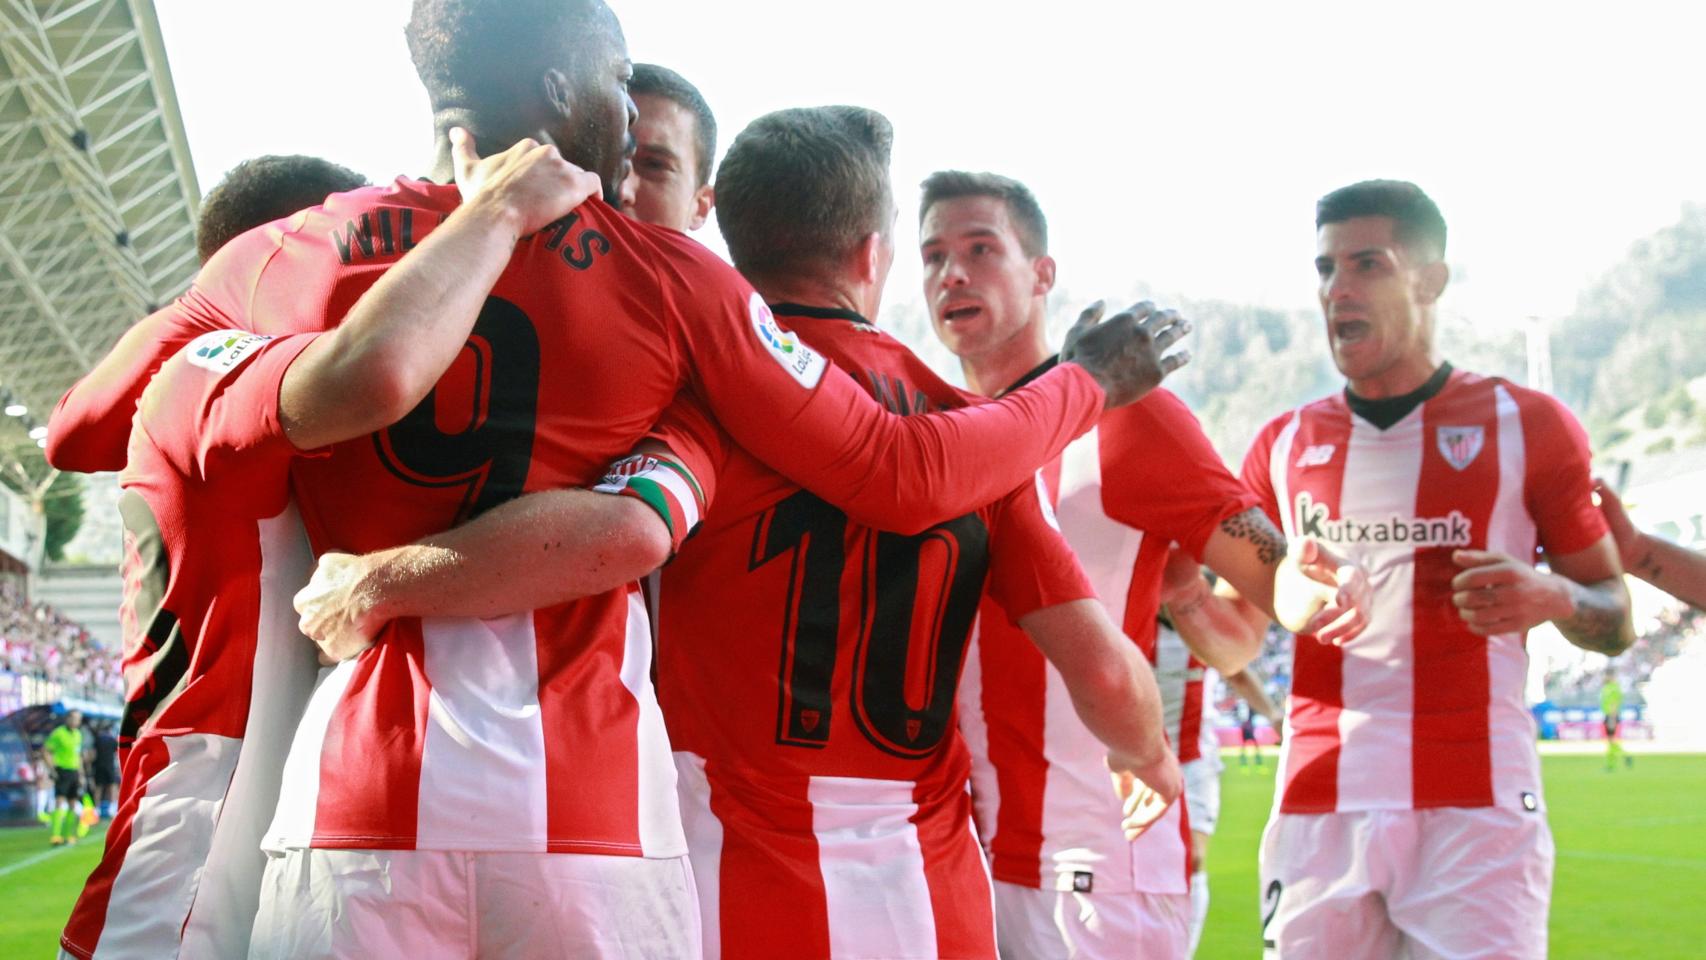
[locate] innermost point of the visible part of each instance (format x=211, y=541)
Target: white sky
x=1180, y=145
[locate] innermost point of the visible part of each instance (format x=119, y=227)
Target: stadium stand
x=46, y=656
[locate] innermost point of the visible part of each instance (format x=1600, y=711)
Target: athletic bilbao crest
x=809, y=719
x=1460, y=445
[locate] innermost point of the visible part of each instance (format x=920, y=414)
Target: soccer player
x=90, y=425
x=216, y=677
x=465, y=761
x=1675, y=569
x=675, y=143
x=64, y=750
x=1409, y=818
x=1068, y=880
x=103, y=768
x=1611, y=706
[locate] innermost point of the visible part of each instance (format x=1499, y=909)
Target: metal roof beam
x=49, y=311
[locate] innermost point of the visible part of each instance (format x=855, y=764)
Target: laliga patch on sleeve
x=223, y=351
x=802, y=362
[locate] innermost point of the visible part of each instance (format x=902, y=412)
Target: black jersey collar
x=1036, y=372
x=817, y=313
x=1387, y=411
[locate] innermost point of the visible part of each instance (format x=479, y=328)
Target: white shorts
x=1033, y=924
x=431, y=904
x=1421, y=884
x=1202, y=793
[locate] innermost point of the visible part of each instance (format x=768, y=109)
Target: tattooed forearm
x=1601, y=621
x=1254, y=525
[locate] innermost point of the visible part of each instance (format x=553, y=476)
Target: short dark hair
x=800, y=188
x=263, y=190
x=1021, y=204
x=488, y=54
x=1417, y=222
x=649, y=78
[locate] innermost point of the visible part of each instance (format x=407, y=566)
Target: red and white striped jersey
x=1418, y=711
x=540, y=731
x=216, y=674
x=1145, y=478
x=1180, y=675
x=807, y=669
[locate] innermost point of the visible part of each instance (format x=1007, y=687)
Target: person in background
x=103, y=768
x=64, y=750
x=1611, y=704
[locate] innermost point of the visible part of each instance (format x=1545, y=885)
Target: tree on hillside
x=1640, y=331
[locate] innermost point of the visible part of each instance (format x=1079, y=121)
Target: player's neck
x=489, y=138
x=993, y=371
x=818, y=292
x=1404, y=377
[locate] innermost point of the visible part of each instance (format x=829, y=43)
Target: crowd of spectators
x=40, y=643
x=1579, y=684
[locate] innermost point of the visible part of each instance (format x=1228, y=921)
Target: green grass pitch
x=1631, y=865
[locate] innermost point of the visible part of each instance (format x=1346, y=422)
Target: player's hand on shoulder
x=336, y=610
x=530, y=184
x=1497, y=593
x=1127, y=353
x=1325, y=595
x=1145, y=788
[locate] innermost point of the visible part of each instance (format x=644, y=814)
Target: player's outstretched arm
x=1224, y=632
x=1114, y=692
x=408, y=328
x=535, y=551
x=1305, y=587
x=905, y=473
x=91, y=423
x=1583, y=595
x=1675, y=569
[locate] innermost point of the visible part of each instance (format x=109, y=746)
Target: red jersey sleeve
x=1258, y=473
x=213, y=409
x=1030, y=564
x=806, y=419
x=674, y=469
x=1161, y=475
x=91, y=425
x=1559, y=487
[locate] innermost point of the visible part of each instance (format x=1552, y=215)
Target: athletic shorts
x=1610, y=729
x=1036, y=924
x=426, y=904
x=1202, y=793
x=1420, y=884
x=106, y=774
x=67, y=783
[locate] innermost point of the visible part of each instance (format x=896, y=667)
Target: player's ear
x=703, y=200
x=1433, y=277
x=868, y=258
x=1044, y=267
x=554, y=84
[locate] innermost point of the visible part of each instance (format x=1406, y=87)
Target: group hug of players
x=519, y=449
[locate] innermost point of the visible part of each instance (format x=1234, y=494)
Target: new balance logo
x=1315, y=520
x=1318, y=455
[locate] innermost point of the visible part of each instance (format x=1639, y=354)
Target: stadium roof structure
x=98, y=197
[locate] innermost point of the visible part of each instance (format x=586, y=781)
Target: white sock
x=1199, y=906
